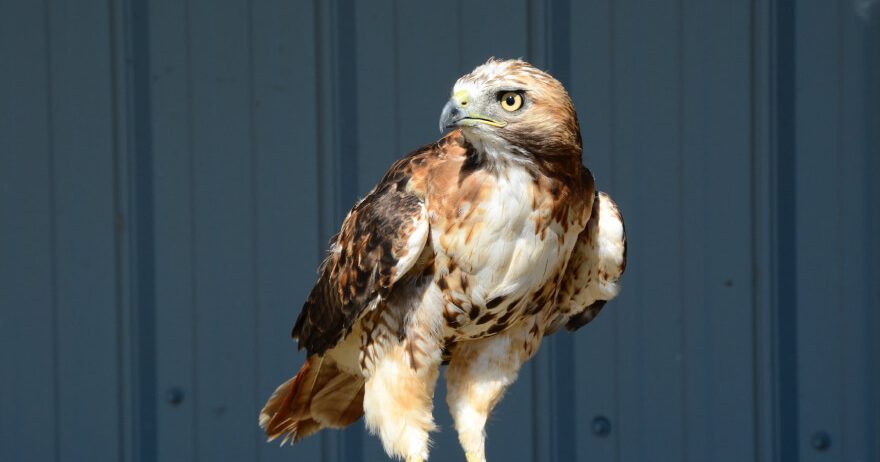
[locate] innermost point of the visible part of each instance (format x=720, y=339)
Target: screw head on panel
x=174, y=396
x=820, y=441
x=601, y=426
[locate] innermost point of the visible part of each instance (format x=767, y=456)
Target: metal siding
x=85, y=226
x=833, y=214
x=764, y=250
x=751, y=211
x=871, y=122
x=647, y=134
x=223, y=229
x=173, y=230
x=271, y=129
x=376, y=63
x=716, y=179
x=287, y=248
x=135, y=244
x=426, y=67
x=856, y=208
x=593, y=88
x=712, y=112
x=782, y=243
x=27, y=257
x=818, y=243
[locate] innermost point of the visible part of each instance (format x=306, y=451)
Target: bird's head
x=513, y=106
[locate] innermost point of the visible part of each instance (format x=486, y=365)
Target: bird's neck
x=494, y=152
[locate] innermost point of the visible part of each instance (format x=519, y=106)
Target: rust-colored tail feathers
x=319, y=396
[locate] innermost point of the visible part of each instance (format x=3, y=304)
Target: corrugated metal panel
x=664, y=93
x=170, y=173
x=834, y=209
x=61, y=316
x=27, y=298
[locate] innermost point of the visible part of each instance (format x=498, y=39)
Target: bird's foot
x=474, y=457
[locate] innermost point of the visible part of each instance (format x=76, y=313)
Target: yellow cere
x=461, y=97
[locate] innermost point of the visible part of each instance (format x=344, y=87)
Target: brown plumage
x=319, y=396
x=467, y=252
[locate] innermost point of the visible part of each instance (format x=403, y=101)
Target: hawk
x=467, y=252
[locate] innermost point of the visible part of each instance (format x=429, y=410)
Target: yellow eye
x=511, y=101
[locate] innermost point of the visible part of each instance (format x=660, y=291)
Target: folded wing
x=595, y=266
x=380, y=241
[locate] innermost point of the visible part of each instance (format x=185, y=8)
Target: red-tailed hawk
x=467, y=252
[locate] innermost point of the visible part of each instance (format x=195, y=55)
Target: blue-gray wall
x=170, y=172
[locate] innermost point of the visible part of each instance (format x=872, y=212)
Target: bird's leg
x=398, y=399
x=478, y=374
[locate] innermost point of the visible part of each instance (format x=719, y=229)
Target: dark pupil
x=511, y=100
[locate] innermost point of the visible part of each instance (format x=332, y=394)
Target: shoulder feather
x=597, y=262
x=379, y=243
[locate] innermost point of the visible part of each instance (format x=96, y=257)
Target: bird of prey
x=467, y=252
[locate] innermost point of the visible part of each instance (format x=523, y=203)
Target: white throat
x=496, y=150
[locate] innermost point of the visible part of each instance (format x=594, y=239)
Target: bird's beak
x=456, y=114
x=451, y=115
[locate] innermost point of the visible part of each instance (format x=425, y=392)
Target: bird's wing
x=595, y=266
x=381, y=239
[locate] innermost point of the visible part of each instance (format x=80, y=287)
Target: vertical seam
x=753, y=229
x=194, y=297
x=785, y=127
x=53, y=233
x=395, y=34
x=139, y=241
x=841, y=191
x=255, y=215
x=680, y=133
x=320, y=145
x=459, y=50
x=118, y=218
x=346, y=87
x=872, y=129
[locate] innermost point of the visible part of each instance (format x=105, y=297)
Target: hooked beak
x=451, y=115
x=455, y=115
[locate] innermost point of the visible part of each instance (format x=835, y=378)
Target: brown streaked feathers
x=364, y=256
x=468, y=252
x=319, y=396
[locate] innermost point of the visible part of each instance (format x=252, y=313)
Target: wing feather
x=597, y=262
x=380, y=242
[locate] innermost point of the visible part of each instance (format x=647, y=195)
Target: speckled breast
x=500, y=248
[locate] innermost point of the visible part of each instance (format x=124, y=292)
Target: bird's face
x=513, y=105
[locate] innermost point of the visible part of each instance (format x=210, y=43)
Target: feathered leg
x=398, y=400
x=402, y=371
x=478, y=374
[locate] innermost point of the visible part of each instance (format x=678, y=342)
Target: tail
x=319, y=396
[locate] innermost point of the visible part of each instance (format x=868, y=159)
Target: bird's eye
x=511, y=101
